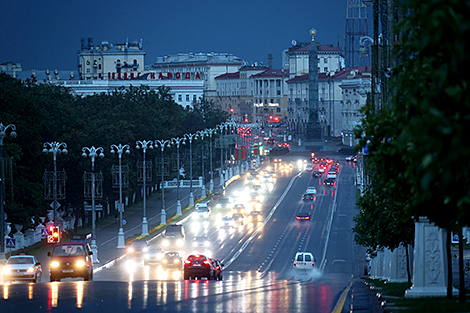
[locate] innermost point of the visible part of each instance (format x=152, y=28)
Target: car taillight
x=207, y=262
x=187, y=262
x=308, y=217
x=295, y=263
x=313, y=263
x=298, y=217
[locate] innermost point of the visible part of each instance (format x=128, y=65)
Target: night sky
x=46, y=34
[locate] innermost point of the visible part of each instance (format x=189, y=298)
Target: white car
x=202, y=210
x=304, y=260
x=201, y=241
x=311, y=189
x=331, y=175
x=227, y=222
x=22, y=268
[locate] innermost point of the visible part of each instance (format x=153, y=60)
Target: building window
x=278, y=92
x=325, y=60
x=325, y=69
x=180, y=98
x=278, y=83
x=88, y=71
x=187, y=98
x=194, y=98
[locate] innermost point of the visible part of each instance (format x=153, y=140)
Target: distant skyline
x=46, y=34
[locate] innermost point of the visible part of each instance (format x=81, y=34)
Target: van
x=202, y=210
x=304, y=260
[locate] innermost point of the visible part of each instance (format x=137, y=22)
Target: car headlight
x=194, y=243
x=206, y=244
x=55, y=264
x=145, y=249
x=259, y=218
x=30, y=270
x=165, y=261
x=147, y=256
x=130, y=250
x=6, y=270
x=166, y=243
x=180, y=243
x=176, y=261
x=218, y=205
x=80, y=263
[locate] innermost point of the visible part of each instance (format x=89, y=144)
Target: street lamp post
x=55, y=148
x=190, y=137
x=163, y=143
x=3, y=130
x=93, y=152
x=201, y=134
x=177, y=141
x=144, y=145
x=210, y=132
x=120, y=149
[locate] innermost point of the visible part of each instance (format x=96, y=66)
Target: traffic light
x=231, y=110
x=54, y=234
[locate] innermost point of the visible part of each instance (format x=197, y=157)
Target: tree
x=424, y=131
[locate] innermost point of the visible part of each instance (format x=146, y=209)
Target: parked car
x=22, y=268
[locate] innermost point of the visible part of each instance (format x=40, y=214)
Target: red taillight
x=207, y=262
x=298, y=217
x=187, y=262
x=313, y=263
x=307, y=218
x=295, y=263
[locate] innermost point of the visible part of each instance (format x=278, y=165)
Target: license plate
x=197, y=264
x=17, y=274
x=67, y=271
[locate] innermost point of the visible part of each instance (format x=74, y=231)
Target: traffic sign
x=124, y=222
x=57, y=204
x=44, y=233
x=10, y=243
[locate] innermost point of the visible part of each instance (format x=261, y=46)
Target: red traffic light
x=270, y=117
x=231, y=110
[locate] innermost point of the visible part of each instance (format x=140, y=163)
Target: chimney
x=270, y=60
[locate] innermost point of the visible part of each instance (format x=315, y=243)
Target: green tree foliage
x=46, y=113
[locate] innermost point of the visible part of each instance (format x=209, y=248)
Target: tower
x=313, y=126
x=356, y=27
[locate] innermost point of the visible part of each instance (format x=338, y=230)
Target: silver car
x=22, y=268
x=154, y=255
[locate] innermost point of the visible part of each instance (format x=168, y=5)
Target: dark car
x=316, y=174
x=173, y=237
x=238, y=218
x=198, y=266
x=172, y=260
x=137, y=248
x=329, y=182
x=218, y=268
x=255, y=217
x=71, y=259
x=303, y=217
x=308, y=196
x=219, y=191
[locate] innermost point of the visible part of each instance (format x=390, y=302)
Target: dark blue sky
x=46, y=34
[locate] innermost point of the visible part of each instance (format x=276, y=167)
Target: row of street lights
x=93, y=152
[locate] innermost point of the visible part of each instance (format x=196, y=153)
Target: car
x=71, y=259
x=254, y=197
x=226, y=222
x=22, y=268
x=350, y=158
x=317, y=173
x=256, y=188
x=303, y=217
x=223, y=203
x=311, y=189
x=153, y=255
x=238, y=218
x=198, y=266
x=304, y=260
x=218, y=191
x=239, y=208
x=218, y=269
x=309, y=167
x=255, y=217
x=202, y=210
x=201, y=241
x=331, y=174
x=308, y=196
x=321, y=169
x=171, y=260
x=137, y=248
x=329, y=182
x=173, y=236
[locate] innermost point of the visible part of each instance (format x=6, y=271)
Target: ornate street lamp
x=201, y=135
x=93, y=152
x=177, y=141
x=3, y=130
x=163, y=143
x=210, y=132
x=55, y=148
x=190, y=137
x=120, y=149
x=144, y=145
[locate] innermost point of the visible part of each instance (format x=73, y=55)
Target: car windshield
x=66, y=250
x=171, y=255
x=139, y=244
x=21, y=260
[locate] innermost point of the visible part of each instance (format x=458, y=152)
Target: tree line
x=44, y=112
x=419, y=144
